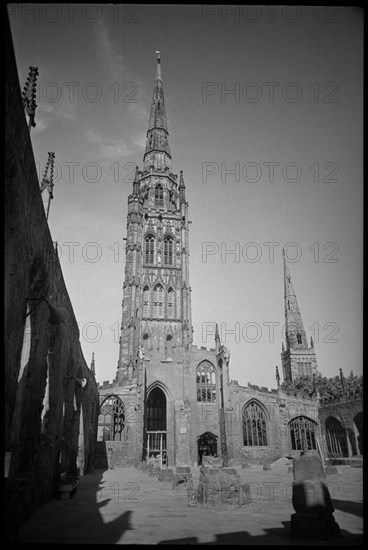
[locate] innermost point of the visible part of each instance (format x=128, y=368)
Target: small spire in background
x=93, y=367
x=342, y=380
x=217, y=339
x=136, y=182
x=182, y=188
x=277, y=377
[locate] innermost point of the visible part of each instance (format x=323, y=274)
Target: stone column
x=182, y=434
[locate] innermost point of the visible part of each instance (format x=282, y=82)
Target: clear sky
x=264, y=110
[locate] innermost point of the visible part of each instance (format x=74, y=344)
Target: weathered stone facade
x=51, y=397
x=170, y=398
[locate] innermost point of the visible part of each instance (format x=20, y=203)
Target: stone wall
x=50, y=419
x=279, y=409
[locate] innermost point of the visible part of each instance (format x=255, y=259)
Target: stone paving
x=128, y=506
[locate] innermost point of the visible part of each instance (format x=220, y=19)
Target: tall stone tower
x=156, y=319
x=297, y=359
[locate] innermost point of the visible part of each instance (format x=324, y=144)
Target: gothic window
x=288, y=304
x=111, y=420
x=206, y=382
x=149, y=250
x=168, y=251
x=299, y=337
x=156, y=410
x=159, y=195
x=170, y=303
x=303, y=434
x=158, y=301
x=254, y=425
x=146, y=302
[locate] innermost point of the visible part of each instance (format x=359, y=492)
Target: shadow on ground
x=348, y=506
x=275, y=537
x=55, y=521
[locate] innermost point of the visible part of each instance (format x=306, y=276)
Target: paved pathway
x=127, y=506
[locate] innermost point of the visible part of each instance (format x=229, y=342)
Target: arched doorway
x=156, y=426
x=111, y=420
x=358, y=430
x=336, y=438
x=207, y=446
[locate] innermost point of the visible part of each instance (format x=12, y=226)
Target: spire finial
x=157, y=135
x=29, y=96
x=48, y=180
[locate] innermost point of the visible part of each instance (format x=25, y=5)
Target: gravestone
x=313, y=518
x=166, y=475
x=182, y=478
x=222, y=488
x=331, y=470
x=211, y=461
x=191, y=496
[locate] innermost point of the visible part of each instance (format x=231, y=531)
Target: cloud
x=112, y=59
x=115, y=150
x=140, y=141
x=46, y=114
x=109, y=148
x=138, y=111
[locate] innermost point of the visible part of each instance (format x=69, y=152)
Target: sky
x=264, y=107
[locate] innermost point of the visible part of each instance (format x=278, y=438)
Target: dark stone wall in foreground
x=50, y=419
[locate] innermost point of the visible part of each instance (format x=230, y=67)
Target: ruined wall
x=279, y=409
x=345, y=410
x=43, y=430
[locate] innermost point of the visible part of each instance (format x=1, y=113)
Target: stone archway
x=111, y=419
x=207, y=446
x=156, y=425
x=336, y=437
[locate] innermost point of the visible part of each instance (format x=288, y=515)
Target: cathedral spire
x=297, y=359
x=157, y=153
x=294, y=329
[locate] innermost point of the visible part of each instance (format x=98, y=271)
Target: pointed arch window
x=206, y=382
x=146, y=301
x=149, y=250
x=170, y=303
x=111, y=420
x=168, y=251
x=159, y=195
x=254, y=425
x=299, y=337
x=303, y=434
x=158, y=301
